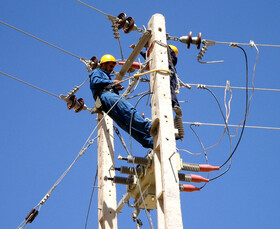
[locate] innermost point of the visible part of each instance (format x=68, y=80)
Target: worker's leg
x=173, y=84
x=121, y=114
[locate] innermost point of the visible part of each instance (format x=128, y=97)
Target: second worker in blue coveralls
x=100, y=85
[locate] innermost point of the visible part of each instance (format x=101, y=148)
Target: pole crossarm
x=143, y=40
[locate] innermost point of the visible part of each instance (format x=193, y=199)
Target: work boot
x=177, y=110
x=154, y=127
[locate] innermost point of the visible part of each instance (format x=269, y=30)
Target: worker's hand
x=118, y=86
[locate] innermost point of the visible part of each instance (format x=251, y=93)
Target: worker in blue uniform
x=118, y=108
x=172, y=60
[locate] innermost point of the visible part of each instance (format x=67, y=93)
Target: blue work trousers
x=121, y=114
x=173, y=85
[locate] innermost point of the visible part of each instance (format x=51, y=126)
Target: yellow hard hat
x=174, y=48
x=107, y=58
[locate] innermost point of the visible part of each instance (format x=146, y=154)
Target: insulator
x=79, y=105
x=94, y=63
x=187, y=39
x=122, y=180
x=192, y=178
x=72, y=102
x=138, y=160
x=122, y=20
x=31, y=216
x=208, y=168
x=188, y=188
x=130, y=170
x=178, y=123
x=199, y=168
x=185, y=177
x=129, y=25
x=191, y=167
x=197, y=40
x=198, y=179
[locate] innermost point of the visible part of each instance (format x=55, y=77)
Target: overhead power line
x=30, y=35
x=249, y=44
x=40, y=89
x=242, y=88
x=223, y=125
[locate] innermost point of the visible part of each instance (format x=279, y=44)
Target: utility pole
x=160, y=182
x=165, y=158
x=107, y=203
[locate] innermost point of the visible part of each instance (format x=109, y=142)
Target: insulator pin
x=188, y=188
x=31, y=216
x=121, y=180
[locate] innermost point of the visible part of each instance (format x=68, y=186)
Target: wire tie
x=252, y=43
x=228, y=86
x=232, y=44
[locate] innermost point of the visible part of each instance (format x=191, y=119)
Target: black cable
x=226, y=129
x=91, y=197
x=205, y=154
x=243, y=127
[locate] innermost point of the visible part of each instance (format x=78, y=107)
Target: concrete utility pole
x=162, y=183
x=107, y=203
x=165, y=160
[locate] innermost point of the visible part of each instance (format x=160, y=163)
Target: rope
x=29, y=84
x=39, y=39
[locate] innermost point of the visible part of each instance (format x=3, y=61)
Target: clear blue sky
x=40, y=137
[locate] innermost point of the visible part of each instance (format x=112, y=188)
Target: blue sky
x=40, y=137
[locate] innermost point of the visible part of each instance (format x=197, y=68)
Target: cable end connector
x=188, y=188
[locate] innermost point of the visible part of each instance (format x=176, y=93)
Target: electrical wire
x=134, y=166
x=242, y=88
x=246, y=110
x=226, y=130
x=29, y=84
x=4, y=23
x=205, y=154
x=249, y=44
x=229, y=125
x=90, y=201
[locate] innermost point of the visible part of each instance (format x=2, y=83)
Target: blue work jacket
x=99, y=79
